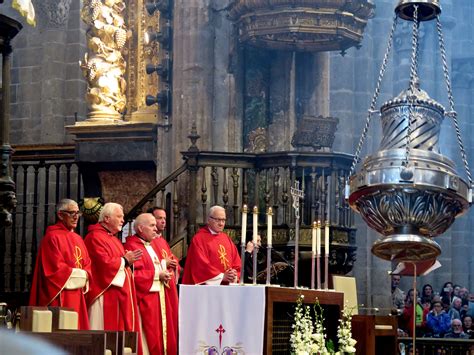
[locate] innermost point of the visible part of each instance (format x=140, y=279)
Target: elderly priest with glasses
x=212, y=256
x=63, y=267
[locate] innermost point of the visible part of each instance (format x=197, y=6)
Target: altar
x=251, y=319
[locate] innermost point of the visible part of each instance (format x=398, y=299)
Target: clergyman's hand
x=165, y=276
x=171, y=263
x=133, y=255
x=230, y=275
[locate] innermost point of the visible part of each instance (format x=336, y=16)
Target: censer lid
x=421, y=98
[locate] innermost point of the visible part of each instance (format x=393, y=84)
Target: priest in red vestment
x=63, y=267
x=111, y=299
x=212, y=257
x=155, y=282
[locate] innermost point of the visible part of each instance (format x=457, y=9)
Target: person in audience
x=464, y=293
x=455, y=309
x=420, y=314
x=63, y=267
x=456, y=290
x=398, y=297
x=468, y=327
x=456, y=330
x=427, y=293
x=437, y=320
x=447, y=292
x=212, y=256
x=464, y=308
x=111, y=300
x=470, y=310
x=155, y=281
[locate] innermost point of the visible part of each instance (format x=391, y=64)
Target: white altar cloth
x=216, y=319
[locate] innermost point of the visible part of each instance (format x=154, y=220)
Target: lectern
x=375, y=334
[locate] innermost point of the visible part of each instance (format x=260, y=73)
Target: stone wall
x=47, y=85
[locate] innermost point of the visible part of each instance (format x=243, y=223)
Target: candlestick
x=269, y=263
x=318, y=239
x=326, y=238
x=326, y=256
x=242, y=243
x=255, y=240
x=255, y=225
x=318, y=255
x=269, y=226
x=313, y=253
x=244, y=224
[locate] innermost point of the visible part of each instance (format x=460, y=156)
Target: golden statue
x=104, y=65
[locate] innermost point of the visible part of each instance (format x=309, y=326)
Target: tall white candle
x=318, y=239
x=244, y=224
x=255, y=224
x=269, y=226
x=326, y=238
x=313, y=239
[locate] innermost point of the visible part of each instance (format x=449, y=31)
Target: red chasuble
x=149, y=302
x=120, y=305
x=208, y=256
x=60, y=251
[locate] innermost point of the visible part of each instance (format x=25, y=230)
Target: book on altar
x=422, y=267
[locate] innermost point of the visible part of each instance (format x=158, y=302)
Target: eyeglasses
x=73, y=213
x=218, y=219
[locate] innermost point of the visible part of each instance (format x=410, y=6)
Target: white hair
x=215, y=208
x=108, y=209
x=64, y=204
x=141, y=219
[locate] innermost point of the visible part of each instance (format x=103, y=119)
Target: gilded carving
x=104, y=65
x=139, y=83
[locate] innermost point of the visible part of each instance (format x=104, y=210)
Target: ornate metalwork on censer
x=408, y=191
x=302, y=25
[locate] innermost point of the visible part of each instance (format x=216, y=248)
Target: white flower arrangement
x=346, y=343
x=310, y=338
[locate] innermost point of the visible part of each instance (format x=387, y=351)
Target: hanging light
x=408, y=191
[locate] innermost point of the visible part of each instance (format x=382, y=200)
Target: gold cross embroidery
x=223, y=257
x=78, y=257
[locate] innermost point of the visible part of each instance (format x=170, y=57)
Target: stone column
x=313, y=84
x=193, y=77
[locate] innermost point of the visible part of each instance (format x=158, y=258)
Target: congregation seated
x=456, y=331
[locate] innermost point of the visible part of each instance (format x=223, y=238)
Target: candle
x=269, y=226
x=326, y=238
x=255, y=224
x=313, y=240
x=318, y=239
x=244, y=224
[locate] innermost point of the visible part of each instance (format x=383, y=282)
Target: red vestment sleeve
x=106, y=253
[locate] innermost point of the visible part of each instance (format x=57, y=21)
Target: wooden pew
x=82, y=343
x=128, y=341
x=118, y=342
